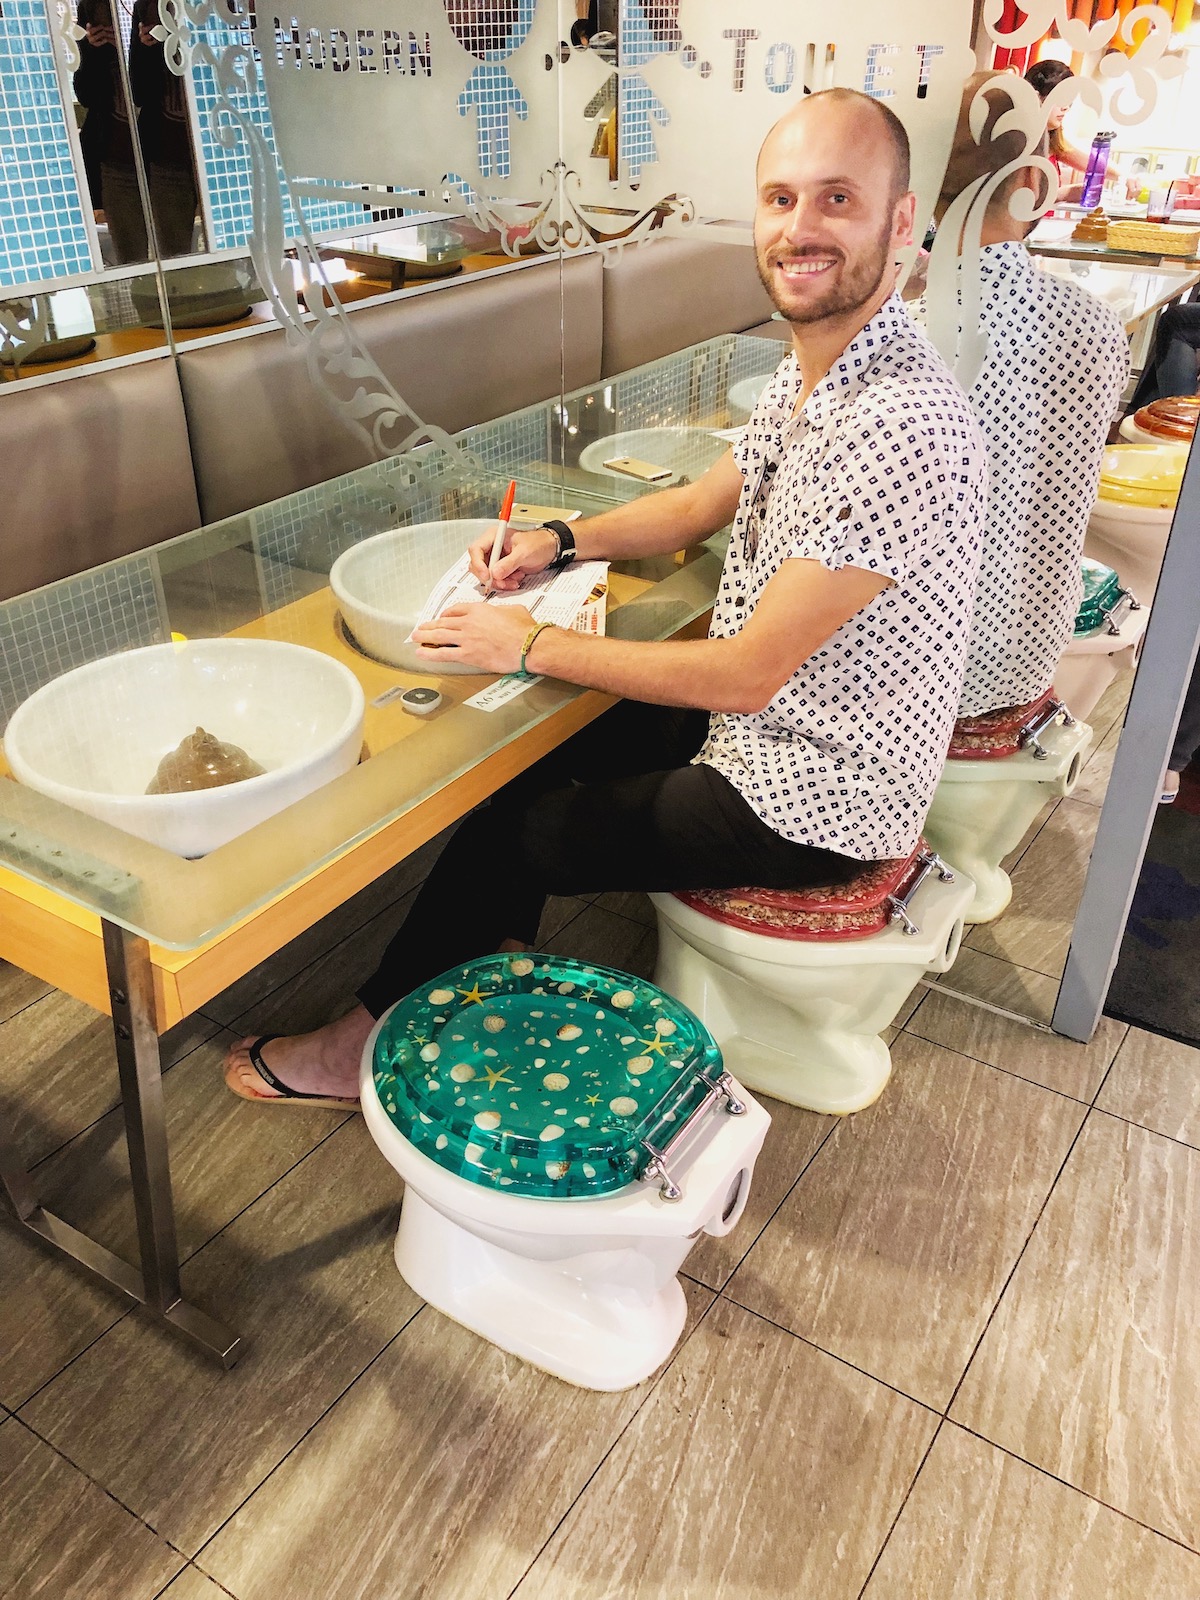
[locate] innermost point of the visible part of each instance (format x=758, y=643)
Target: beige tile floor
x=953, y=1349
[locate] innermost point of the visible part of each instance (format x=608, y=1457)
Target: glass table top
x=447, y=240
x=1132, y=292
x=264, y=575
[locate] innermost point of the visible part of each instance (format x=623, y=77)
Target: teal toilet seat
x=1104, y=600
x=542, y=1076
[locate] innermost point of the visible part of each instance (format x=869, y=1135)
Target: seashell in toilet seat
x=995, y=734
x=1102, y=596
x=842, y=911
x=495, y=1104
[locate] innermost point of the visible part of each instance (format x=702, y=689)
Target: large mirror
x=512, y=239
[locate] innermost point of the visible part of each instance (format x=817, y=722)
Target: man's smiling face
x=828, y=219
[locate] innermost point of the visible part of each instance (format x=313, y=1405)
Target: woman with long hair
x=1069, y=163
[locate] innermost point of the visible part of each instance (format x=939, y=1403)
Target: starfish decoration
x=591, y=1099
x=473, y=996
x=655, y=1046
x=494, y=1077
x=588, y=996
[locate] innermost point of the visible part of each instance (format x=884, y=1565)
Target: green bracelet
x=538, y=627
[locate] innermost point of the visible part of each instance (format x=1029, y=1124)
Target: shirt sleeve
x=885, y=489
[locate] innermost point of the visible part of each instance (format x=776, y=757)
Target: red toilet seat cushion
x=851, y=910
x=995, y=733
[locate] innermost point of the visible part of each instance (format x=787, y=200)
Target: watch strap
x=566, y=542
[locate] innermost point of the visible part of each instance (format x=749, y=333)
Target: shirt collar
x=845, y=377
x=999, y=263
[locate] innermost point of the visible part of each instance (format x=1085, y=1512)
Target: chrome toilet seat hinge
x=722, y=1091
x=1030, y=735
x=928, y=861
x=1116, y=617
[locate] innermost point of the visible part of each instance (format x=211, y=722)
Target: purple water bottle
x=1093, y=178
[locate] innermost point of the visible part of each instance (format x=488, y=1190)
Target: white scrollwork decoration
x=1040, y=17
x=68, y=33
x=953, y=286
x=171, y=29
x=561, y=224
x=954, y=290
x=1146, y=69
x=24, y=326
x=339, y=366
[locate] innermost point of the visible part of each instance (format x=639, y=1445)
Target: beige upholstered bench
x=108, y=470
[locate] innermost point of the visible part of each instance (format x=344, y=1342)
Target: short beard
x=859, y=284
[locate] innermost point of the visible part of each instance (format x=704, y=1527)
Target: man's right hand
x=98, y=34
x=525, y=552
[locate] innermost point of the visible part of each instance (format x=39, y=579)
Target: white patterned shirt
x=1055, y=371
x=882, y=468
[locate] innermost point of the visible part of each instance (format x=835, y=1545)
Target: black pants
x=612, y=808
x=1187, y=734
x=1173, y=369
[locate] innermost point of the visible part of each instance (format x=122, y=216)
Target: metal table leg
x=156, y=1286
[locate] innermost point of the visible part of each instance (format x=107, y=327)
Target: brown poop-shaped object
x=202, y=761
x=1092, y=228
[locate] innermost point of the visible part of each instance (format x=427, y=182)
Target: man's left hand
x=483, y=636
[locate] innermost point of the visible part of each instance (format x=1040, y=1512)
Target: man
x=832, y=668
x=1055, y=370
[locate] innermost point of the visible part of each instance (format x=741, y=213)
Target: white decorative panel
x=468, y=92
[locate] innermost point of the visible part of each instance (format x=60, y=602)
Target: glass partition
x=266, y=576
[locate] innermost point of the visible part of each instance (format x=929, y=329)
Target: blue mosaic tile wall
x=42, y=228
x=648, y=28
x=227, y=171
x=50, y=631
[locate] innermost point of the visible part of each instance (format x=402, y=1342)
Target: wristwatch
x=566, y=544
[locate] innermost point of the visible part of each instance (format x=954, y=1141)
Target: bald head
x=833, y=208
x=872, y=131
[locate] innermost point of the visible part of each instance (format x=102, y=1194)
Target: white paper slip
x=551, y=596
x=500, y=693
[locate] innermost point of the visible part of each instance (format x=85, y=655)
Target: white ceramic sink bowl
x=94, y=737
x=743, y=396
x=381, y=585
x=689, y=452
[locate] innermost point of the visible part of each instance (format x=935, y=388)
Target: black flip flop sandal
x=284, y=1093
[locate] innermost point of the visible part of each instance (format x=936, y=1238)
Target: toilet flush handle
x=722, y=1091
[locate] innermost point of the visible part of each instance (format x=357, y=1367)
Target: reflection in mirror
x=115, y=69
x=1077, y=525
x=1045, y=396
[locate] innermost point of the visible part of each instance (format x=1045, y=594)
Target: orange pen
x=501, y=530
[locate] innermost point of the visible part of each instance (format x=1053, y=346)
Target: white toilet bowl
x=983, y=806
x=1131, y=539
x=799, y=1016
x=1091, y=663
x=1131, y=519
x=583, y=1285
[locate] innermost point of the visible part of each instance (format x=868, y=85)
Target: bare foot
x=323, y=1063
x=1170, y=788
